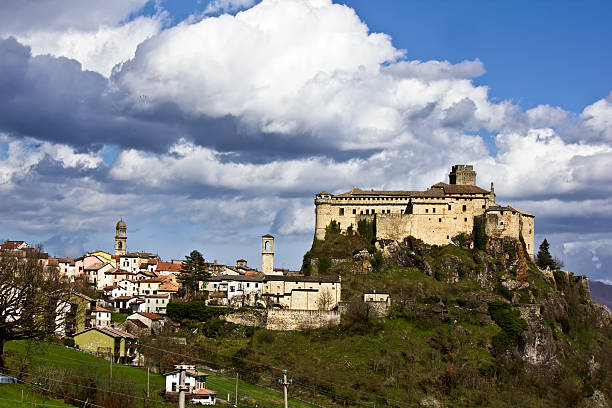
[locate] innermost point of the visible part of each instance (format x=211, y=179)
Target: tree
x=193, y=271
x=30, y=295
x=325, y=300
x=544, y=259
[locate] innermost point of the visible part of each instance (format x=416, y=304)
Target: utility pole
x=182, y=388
x=236, y=394
x=285, y=383
x=148, y=382
x=111, y=365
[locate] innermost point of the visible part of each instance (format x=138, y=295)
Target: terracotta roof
x=168, y=287
x=238, y=278
x=151, y=316
x=124, y=297
x=12, y=244
x=152, y=280
x=204, y=391
x=99, y=309
x=119, y=272
x=507, y=208
x=158, y=295
x=83, y=296
x=110, y=331
x=96, y=266
x=65, y=260
x=357, y=191
x=460, y=189
x=168, y=266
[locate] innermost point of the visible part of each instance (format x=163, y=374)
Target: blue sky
x=207, y=130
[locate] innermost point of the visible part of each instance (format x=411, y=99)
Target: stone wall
x=283, y=319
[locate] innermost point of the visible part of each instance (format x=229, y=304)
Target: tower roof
x=121, y=224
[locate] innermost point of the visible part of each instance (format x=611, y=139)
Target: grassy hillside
x=11, y=396
x=467, y=328
x=36, y=359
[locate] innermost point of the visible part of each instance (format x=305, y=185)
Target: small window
x=427, y=210
x=367, y=211
x=465, y=219
x=354, y=211
x=433, y=210
x=464, y=207
x=483, y=206
x=501, y=223
x=449, y=207
x=439, y=219
x=342, y=211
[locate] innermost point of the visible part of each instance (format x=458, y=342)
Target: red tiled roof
x=100, y=309
x=12, y=244
x=168, y=266
x=460, y=188
x=204, y=391
x=151, y=316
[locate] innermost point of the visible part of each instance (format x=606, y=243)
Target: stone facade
x=435, y=215
x=281, y=319
x=267, y=254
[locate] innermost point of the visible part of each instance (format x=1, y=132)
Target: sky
x=207, y=124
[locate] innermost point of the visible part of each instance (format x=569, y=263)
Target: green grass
x=65, y=358
x=119, y=317
x=11, y=394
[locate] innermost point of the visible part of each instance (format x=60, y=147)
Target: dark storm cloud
x=53, y=99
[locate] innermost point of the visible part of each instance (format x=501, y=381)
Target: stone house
x=154, y=322
x=302, y=292
x=435, y=215
x=108, y=342
x=239, y=290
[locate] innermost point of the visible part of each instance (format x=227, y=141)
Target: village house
x=239, y=290
x=156, y=303
x=107, y=342
x=302, y=292
x=152, y=321
x=195, y=381
x=99, y=317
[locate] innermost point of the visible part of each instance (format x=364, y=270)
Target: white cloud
x=226, y=6
x=596, y=120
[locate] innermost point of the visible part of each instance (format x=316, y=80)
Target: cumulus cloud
x=226, y=6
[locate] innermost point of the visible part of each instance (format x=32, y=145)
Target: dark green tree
x=479, y=235
x=193, y=271
x=544, y=259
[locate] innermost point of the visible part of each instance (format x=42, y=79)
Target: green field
x=58, y=357
x=11, y=396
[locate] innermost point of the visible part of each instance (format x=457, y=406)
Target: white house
x=196, y=387
x=100, y=317
x=156, y=303
x=240, y=290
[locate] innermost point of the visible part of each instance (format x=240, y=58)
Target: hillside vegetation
x=467, y=328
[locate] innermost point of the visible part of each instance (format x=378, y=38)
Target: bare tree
x=325, y=300
x=30, y=292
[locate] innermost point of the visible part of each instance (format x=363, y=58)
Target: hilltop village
x=449, y=261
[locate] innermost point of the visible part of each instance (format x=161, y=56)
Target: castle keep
x=435, y=215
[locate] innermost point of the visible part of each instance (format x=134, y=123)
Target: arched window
x=267, y=245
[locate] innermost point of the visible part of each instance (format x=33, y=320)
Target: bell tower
x=120, y=237
x=267, y=254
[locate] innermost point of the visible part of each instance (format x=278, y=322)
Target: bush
x=307, y=264
x=377, y=261
x=504, y=291
x=367, y=230
x=194, y=310
x=460, y=239
x=324, y=265
x=68, y=341
x=333, y=228
x=480, y=237
x=509, y=319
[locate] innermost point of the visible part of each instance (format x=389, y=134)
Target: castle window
x=465, y=219
x=361, y=212
x=501, y=223
x=439, y=219
x=367, y=211
x=433, y=209
x=449, y=207
x=373, y=211
x=427, y=210
x=354, y=211
x=464, y=207
x=342, y=211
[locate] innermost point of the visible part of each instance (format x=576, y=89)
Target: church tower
x=120, y=237
x=267, y=254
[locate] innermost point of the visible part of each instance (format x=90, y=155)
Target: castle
x=435, y=215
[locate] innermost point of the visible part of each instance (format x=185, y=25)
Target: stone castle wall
x=283, y=319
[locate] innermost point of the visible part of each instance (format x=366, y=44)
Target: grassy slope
x=10, y=397
x=69, y=359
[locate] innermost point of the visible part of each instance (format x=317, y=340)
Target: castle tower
x=462, y=174
x=120, y=237
x=267, y=254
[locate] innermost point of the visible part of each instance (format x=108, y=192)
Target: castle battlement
x=435, y=215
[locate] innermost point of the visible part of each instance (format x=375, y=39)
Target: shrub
x=367, y=230
x=68, y=341
x=460, y=239
x=504, y=291
x=509, y=319
x=480, y=237
x=194, y=310
x=333, y=228
x=307, y=264
x=324, y=265
x=377, y=261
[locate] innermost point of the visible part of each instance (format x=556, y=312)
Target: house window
x=367, y=211
x=449, y=207
x=354, y=211
x=231, y=288
x=342, y=211
x=465, y=219
x=248, y=285
x=173, y=387
x=464, y=207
